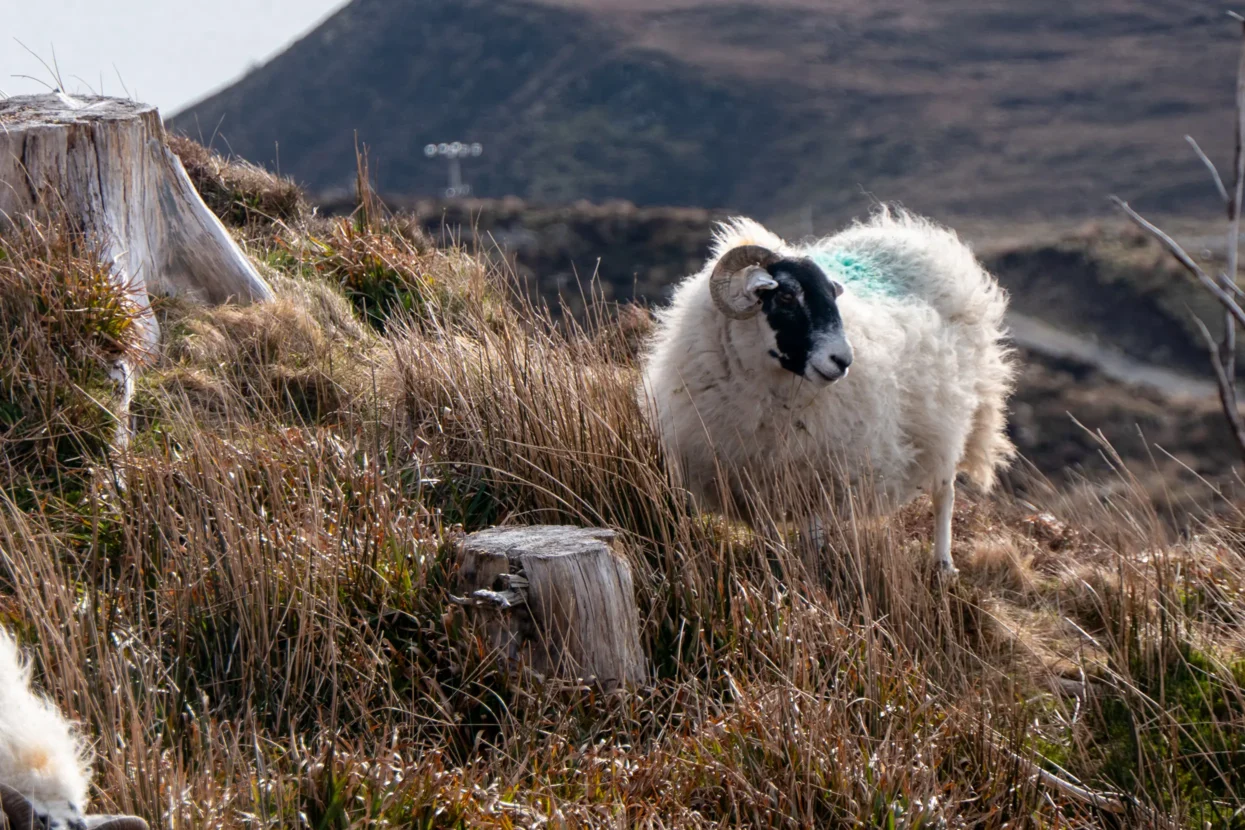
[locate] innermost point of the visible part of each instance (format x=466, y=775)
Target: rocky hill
x=789, y=109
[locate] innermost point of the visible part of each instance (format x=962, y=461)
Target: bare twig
x=1108, y=802
x=1210, y=165
x=1227, y=348
x=1184, y=259
x=1227, y=387
x=1224, y=285
x=1234, y=288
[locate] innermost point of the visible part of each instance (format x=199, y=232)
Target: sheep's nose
x=842, y=362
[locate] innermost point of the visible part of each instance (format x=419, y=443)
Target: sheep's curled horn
x=733, y=268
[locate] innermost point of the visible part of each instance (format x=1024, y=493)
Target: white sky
x=169, y=53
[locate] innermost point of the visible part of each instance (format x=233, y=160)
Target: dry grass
x=255, y=629
x=64, y=326
x=239, y=192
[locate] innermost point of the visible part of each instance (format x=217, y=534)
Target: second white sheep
x=44, y=763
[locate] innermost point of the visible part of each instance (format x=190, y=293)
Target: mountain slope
x=956, y=108
x=563, y=110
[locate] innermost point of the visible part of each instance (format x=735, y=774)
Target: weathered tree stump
x=559, y=598
x=103, y=165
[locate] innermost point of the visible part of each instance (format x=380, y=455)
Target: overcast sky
x=169, y=53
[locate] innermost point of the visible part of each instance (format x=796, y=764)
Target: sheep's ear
x=838, y=288
x=17, y=811
x=757, y=279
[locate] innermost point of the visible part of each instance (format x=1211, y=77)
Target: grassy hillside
x=249, y=610
x=958, y=108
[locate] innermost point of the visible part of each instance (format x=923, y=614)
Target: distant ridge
x=777, y=108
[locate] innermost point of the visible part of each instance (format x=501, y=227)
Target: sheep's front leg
x=815, y=532
x=944, y=506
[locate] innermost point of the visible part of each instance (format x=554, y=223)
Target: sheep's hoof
x=946, y=573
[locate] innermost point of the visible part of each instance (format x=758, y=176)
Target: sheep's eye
x=786, y=298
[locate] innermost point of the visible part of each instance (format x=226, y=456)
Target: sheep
x=872, y=358
x=44, y=764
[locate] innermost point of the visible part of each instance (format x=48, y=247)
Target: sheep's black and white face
x=802, y=310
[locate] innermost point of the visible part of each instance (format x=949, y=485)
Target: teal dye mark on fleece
x=856, y=273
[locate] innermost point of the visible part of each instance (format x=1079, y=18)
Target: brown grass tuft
x=239, y=192
x=65, y=324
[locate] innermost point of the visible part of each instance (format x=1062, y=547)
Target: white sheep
x=747, y=375
x=44, y=764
